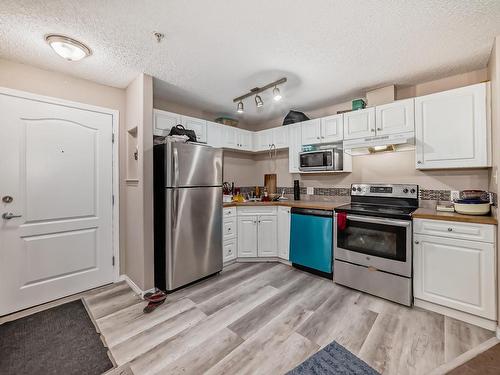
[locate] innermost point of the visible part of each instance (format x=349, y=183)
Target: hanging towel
x=341, y=220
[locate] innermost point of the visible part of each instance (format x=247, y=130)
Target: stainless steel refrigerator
x=187, y=213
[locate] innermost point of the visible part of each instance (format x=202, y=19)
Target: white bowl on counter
x=472, y=208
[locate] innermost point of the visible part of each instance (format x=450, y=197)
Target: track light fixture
x=258, y=101
x=256, y=91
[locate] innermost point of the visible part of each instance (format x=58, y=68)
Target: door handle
x=9, y=215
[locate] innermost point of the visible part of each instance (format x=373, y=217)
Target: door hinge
x=113, y=199
x=113, y=260
x=112, y=137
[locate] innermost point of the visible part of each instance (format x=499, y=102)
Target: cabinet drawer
x=229, y=212
x=257, y=211
x=229, y=228
x=229, y=250
x=452, y=229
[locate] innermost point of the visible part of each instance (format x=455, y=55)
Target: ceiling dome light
x=240, y=107
x=68, y=48
x=276, y=94
x=258, y=101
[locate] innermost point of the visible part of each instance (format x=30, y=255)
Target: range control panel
x=385, y=190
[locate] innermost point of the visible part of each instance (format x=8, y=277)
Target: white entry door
x=55, y=201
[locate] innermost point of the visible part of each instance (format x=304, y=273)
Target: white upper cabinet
x=215, y=134
x=163, y=121
x=263, y=140
x=311, y=131
x=280, y=136
x=397, y=117
x=332, y=129
x=359, y=124
x=452, y=129
x=244, y=140
x=229, y=137
x=295, y=146
x=199, y=126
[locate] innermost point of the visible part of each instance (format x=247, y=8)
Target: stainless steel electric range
x=373, y=242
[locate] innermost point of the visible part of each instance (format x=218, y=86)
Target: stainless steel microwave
x=322, y=160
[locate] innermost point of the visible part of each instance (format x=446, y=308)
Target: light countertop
x=432, y=214
x=314, y=204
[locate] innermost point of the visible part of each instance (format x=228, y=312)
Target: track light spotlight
x=258, y=101
x=276, y=94
x=240, y=107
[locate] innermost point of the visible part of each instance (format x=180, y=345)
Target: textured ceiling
x=216, y=50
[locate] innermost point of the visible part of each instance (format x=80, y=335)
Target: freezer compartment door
x=193, y=234
x=188, y=164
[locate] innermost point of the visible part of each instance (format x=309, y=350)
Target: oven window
x=382, y=240
x=315, y=159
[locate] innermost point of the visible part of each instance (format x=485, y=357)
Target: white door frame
x=116, y=178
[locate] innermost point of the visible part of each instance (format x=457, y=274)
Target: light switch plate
x=310, y=191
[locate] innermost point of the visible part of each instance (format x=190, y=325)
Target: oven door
x=316, y=161
x=384, y=244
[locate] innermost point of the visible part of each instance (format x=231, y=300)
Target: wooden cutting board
x=270, y=183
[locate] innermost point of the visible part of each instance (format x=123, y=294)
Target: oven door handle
x=377, y=220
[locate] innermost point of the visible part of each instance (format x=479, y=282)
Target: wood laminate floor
x=266, y=318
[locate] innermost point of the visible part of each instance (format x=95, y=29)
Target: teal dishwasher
x=311, y=240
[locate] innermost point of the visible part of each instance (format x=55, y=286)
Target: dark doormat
x=333, y=359
x=60, y=340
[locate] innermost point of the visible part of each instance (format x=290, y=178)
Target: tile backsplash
x=424, y=194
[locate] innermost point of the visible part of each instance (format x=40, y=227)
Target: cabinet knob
x=450, y=229
x=317, y=138
x=379, y=129
x=417, y=242
x=419, y=162
x=373, y=130
x=229, y=229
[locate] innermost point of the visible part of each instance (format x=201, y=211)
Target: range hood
x=390, y=142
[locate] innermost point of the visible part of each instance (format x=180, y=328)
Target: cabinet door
x=397, y=117
x=311, y=131
x=199, y=126
x=295, y=147
x=164, y=121
x=229, y=250
x=247, y=238
x=264, y=140
x=229, y=137
x=451, y=129
x=456, y=273
x=244, y=140
x=283, y=232
x=267, y=238
x=359, y=124
x=215, y=134
x=332, y=129
x=280, y=137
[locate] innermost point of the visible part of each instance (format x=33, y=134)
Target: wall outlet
x=310, y=190
x=455, y=195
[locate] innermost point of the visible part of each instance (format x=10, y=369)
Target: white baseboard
x=490, y=325
x=135, y=287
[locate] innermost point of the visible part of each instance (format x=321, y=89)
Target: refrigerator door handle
x=175, y=166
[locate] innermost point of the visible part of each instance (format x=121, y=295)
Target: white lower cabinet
x=284, y=232
x=454, y=272
x=229, y=250
x=247, y=236
x=267, y=236
x=229, y=234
